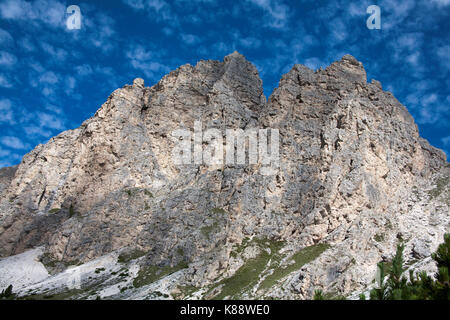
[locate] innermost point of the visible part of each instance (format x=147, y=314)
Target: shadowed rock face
x=350, y=155
x=6, y=175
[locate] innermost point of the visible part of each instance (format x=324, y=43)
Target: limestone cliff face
x=351, y=162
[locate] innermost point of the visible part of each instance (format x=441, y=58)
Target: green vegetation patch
x=128, y=256
x=379, y=237
x=7, y=294
x=134, y=191
x=150, y=274
x=208, y=230
x=332, y=295
x=218, y=210
x=441, y=184
x=71, y=211
x=300, y=258
x=54, y=210
x=215, y=226
x=419, y=286
x=52, y=264
x=185, y=291
x=66, y=295
x=148, y=193
x=98, y=270
x=245, y=243
x=248, y=275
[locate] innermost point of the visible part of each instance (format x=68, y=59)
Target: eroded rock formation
x=354, y=175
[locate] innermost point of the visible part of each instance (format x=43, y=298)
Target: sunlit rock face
x=353, y=173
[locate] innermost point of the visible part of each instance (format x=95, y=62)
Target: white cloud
x=4, y=153
x=190, y=39
x=50, y=12
x=101, y=32
x=429, y=99
x=167, y=31
x=139, y=53
x=393, y=13
x=5, y=37
x=143, y=59
x=413, y=59
x=47, y=120
x=446, y=141
x=48, y=92
x=48, y=78
x=70, y=84
x=278, y=12
x=54, y=109
x=408, y=48
x=431, y=110
x=58, y=54
x=158, y=10
x=314, y=63
x=26, y=44
x=408, y=41
x=358, y=8
x=5, y=82
x=14, y=143
x=84, y=70
x=338, y=31
x=441, y=3
x=443, y=54
x=11, y=9
x=7, y=59
x=37, y=130
x=6, y=114
x=246, y=42
x=36, y=66
x=44, y=123
x=106, y=71
x=135, y=4
x=250, y=42
x=222, y=48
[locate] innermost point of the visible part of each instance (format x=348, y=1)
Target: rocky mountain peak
x=348, y=67
x=139, y=82
x=350, y=158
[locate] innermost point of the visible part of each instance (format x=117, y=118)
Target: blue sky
x=52, y=78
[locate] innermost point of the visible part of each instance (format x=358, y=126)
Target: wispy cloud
x=48, y=77
x=6, y=114
x=14, y=143
x=7, y=59
x=277, y=12
x=26, y=45
x=441, y=3
x=443, y=53
x=49, y=12
x=5, y=37
x=146, y=60
x=190, y=39
x=158, y=10
x=395, y=12
x=56, y=54
x=5, y=81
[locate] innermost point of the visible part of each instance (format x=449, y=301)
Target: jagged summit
x=352, y=167
x=139, y=82
x=234, y=55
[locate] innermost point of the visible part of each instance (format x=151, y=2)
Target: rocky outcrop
x=350, y=161
x=6, y=175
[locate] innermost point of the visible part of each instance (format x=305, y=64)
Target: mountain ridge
x=350, y=157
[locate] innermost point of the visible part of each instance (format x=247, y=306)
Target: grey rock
x=350, y=157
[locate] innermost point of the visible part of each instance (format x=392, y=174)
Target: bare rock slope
x=354, y=178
